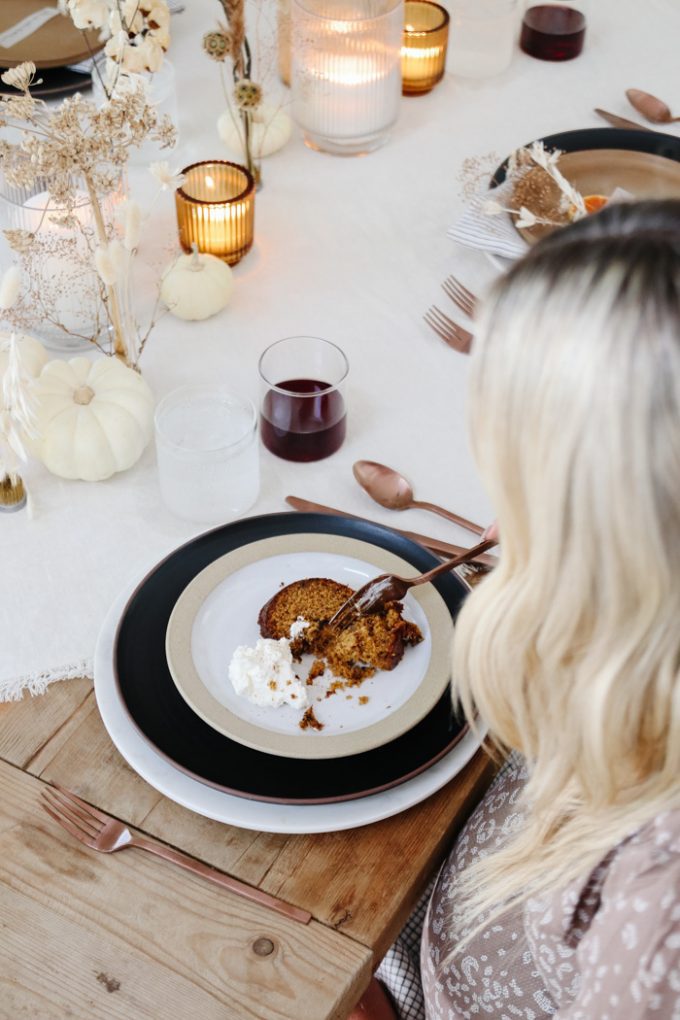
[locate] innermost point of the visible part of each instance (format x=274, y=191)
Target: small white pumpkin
x=270, y=131
x=94, y=417
x=33, y=356
x=197, y=286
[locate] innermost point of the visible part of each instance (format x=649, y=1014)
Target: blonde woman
x=562, y=896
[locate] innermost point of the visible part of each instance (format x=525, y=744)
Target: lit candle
x=423, y=52
x=346, y=76
x=216, y=209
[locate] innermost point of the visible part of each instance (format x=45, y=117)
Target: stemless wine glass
x=303, y=414
x=553, y=29
x=208, y=458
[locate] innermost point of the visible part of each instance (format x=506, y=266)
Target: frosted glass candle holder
x=346, y=72
x=423, y=53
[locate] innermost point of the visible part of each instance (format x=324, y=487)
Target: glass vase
x=61, y=294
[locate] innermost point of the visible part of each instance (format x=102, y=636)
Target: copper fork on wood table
x=101, y=832
x=449, y=331
x=391, y=587
x=460, y=295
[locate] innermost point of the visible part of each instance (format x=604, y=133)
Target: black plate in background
x=163, y=717
x=56, y=81
x=654, y=142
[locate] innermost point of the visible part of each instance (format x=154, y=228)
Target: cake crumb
x=363, y=700
x=310, y=721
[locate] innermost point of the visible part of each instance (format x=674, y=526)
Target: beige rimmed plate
x=218, y=611
x=602, y=171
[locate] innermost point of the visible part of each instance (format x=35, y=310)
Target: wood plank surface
x=126, y=936
x=360, y=885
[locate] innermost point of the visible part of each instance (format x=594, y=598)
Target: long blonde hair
x=570, y=650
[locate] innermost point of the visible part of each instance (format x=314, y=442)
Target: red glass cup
x=303, y=414
x=553, y=31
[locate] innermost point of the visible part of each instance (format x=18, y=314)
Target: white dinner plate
x=218, y=611
x=239, y=811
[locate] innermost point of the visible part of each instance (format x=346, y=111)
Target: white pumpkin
x=33, y=356
x=270, y=130
x=94, y=417
x=197, y=286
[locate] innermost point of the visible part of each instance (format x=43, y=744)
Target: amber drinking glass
x=216, y=209
x=423, y=51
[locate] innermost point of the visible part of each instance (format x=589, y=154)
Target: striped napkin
x=495, y=234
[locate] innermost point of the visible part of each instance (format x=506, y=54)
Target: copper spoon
x=651, y=108
x=391, y=587
x=390, y=489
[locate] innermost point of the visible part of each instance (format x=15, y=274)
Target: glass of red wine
x=553, y=30
x=303, y=414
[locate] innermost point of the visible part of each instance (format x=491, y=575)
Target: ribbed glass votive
x=423, y=53
x=216, y=209
x=346, y=72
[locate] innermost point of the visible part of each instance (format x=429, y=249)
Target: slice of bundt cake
x=373, y=642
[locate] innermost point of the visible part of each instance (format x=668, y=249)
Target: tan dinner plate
x=48, y=43
x=602, y=171
x=218, y=611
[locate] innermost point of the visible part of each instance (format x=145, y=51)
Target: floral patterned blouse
x=606, y=948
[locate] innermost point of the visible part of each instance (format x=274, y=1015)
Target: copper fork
x=101, y=832
x=460, y=295
x=390, y=587
x=449, y=331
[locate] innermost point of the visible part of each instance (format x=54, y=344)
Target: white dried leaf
x=10, y=288
x=105, y=266
x=133, y=224
x=492, y=208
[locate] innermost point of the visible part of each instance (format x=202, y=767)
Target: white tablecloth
x=353, y=250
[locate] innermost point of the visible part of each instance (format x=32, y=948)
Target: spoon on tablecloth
x=390, y=489
x=651, y=108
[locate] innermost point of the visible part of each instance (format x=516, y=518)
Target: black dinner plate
x=54, y=82
x=164, y=719
x=655, y=142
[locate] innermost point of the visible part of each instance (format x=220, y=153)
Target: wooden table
x=128, y=936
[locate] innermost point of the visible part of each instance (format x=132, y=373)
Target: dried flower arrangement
x=137, y=33
x=78, y=154
x=258, y=128
x=541, y=195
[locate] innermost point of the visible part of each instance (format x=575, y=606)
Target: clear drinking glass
x=553, y=29
x=346, y=72
x=208, y=456
x=482, y=37
x=303, y=414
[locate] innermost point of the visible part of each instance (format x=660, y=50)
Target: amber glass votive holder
x=216, y=209
x=423, y=50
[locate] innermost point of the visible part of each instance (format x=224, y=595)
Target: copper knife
x=620, y=122
x=433, y=544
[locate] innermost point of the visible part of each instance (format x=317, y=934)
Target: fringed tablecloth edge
x=14, y=688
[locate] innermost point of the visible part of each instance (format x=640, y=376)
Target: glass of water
x=208, y=458
x=482, y=37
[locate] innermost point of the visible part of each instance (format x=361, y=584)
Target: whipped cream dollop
x=297, y=627
x=264, y=674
